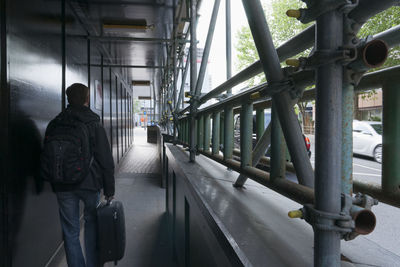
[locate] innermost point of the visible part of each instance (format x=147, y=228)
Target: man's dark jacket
x=101, y=173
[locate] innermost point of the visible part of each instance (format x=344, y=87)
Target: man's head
x=78, y=94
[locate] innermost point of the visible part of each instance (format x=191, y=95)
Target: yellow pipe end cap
x=293, y=62
x=293, y=13
x=169, y=102
x=255, y=95
x=295, y=214
x=171, y=119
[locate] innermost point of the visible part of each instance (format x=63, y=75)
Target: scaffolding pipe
x=207, y=47
x=173, y=48
x=369, y=81
x=246, y=134
x=391, y=36
x=368, y=8
x=207, y=132
x=184, y=75
x=278, y=155
x=328, y=136
x=193, y=78
x=200, y=132
x=296, y=192
x=228, y=42
x=347, y=141
x=349, y=38
x=228, y=132
x=372, y=190
x=260, y=123
x=215, y=132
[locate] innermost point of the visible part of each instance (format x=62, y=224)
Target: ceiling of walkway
x=136, y=33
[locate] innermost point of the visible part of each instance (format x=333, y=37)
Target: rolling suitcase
x=110, y=231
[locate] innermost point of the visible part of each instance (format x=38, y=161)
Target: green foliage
x=282, y=29
x=375, y=118
x=247, y=53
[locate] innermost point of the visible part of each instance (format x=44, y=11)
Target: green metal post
x=207, y=119
x=221, y=128
x=215, y=132
x=228, y=133
x=184, y=131
x=181, y=130
x=178, y=126
x=260, y=122
x=200, y=132
x=347, y=138
x=188, y=130
x=193, y=79
x=391, y=137
x=246, y=134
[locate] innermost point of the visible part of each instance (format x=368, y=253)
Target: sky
x=217, y=59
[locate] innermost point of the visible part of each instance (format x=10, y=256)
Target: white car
x=367, y=139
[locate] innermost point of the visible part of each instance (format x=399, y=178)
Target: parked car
x=367, y=139
x=267, y=119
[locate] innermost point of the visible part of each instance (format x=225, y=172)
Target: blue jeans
x=68, y=203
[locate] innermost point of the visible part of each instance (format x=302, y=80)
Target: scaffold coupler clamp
x=295, y=92
x=273, y=88
x=326, y=221
x=221, y=97
x=321, y=57
x=355, y=217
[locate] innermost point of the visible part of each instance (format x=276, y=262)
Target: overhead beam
x=125, y=3
x=128, y=39
x=128, y=66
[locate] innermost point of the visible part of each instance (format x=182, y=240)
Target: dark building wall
x=34, y=82
x=4, y=92
x=31, y=95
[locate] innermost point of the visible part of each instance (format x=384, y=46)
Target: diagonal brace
x=259, y=151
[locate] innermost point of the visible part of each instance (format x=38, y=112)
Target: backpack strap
x=92, y=126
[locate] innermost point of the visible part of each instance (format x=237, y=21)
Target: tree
x=282, y=28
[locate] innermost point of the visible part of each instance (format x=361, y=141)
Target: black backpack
x=67, y=154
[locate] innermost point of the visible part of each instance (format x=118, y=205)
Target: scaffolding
x=337, y=66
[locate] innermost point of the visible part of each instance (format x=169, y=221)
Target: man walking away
x=77, y=161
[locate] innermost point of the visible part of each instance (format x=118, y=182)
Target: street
x=365, y=169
